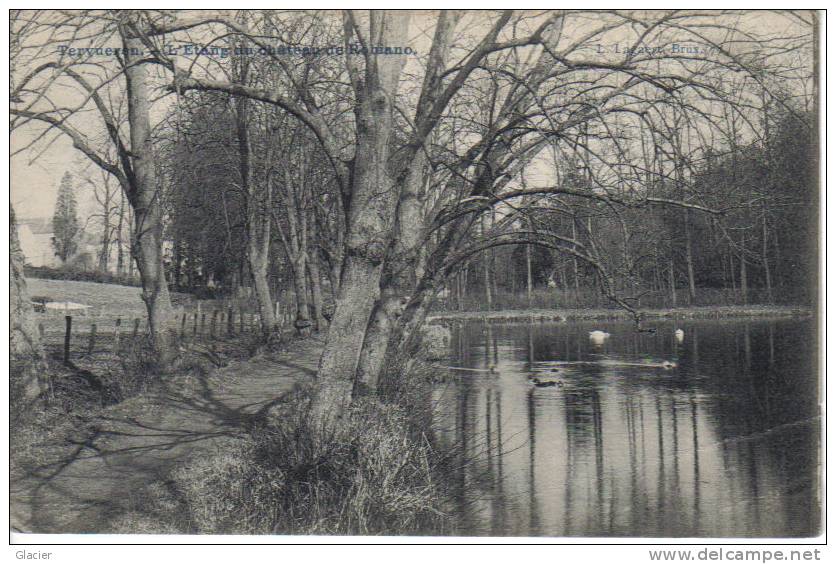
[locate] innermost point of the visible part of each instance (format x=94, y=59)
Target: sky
x=35, y=182
x=35, y=176
x=34, y=187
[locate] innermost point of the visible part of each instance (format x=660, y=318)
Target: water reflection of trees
x=719, y=447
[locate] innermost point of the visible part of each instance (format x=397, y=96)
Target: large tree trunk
x=316, y=292
x=371, y=217
x=402, y=342
x=399, y=278
x=334, y=250
x=358, y=293
x=314, y=273
x=258, y=256
x=258, y=267
x=258, y=222
x=296, y=250
x=334, y=269
x=120, y=226
x=296, y=199
x=147, y=240
x=303, y=322
x=392, y=333
x=378, y=332
x=402, y=347
x=25, y=350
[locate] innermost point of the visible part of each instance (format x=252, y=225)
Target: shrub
x=134, y=371
x=80, y=274
x=435, y=342
x=372, y=475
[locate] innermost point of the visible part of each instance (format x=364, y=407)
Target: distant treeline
x=761, y=246
x=758, y=246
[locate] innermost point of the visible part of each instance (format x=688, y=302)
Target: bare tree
x=133, y=165
x=107, y=215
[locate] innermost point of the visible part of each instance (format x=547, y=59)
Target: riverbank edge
x=570, y=315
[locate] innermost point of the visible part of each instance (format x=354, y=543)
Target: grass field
x=93, y=332
x=102, y=298
x=107, y=303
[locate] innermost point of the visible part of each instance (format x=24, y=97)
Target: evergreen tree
x=65, y=227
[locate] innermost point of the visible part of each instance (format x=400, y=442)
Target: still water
x=726, y=444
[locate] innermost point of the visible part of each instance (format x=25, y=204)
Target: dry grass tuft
x=373, y=475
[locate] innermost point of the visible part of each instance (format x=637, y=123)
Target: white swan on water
x=598, y=337
x=679, y=335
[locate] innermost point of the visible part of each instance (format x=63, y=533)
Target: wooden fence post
x=194, y=330
x=230, y=321
x=117, y=335
x=214, y=321
x=91, y=345
x=183, y=324
x=68, y=321
x=241, y=323
x=135, y=334
x=41, y=331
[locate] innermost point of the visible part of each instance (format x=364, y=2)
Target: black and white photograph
x=528, y=275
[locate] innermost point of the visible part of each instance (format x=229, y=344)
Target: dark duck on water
x=545, y=384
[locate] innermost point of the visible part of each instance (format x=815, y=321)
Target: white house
x=36, y=242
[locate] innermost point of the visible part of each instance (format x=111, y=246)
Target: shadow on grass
x=95, y=474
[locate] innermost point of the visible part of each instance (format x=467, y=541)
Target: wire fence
x=86, y=335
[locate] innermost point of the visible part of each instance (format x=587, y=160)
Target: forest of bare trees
x=382, y=164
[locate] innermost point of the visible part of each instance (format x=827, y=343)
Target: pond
x=723, y=444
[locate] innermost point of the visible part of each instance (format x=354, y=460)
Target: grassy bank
x=56, y=426
x=253, y=469
x=101, y=298
x=375, y=474
x=567, y=315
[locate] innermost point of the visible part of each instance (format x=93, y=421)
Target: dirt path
x=136, y=443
